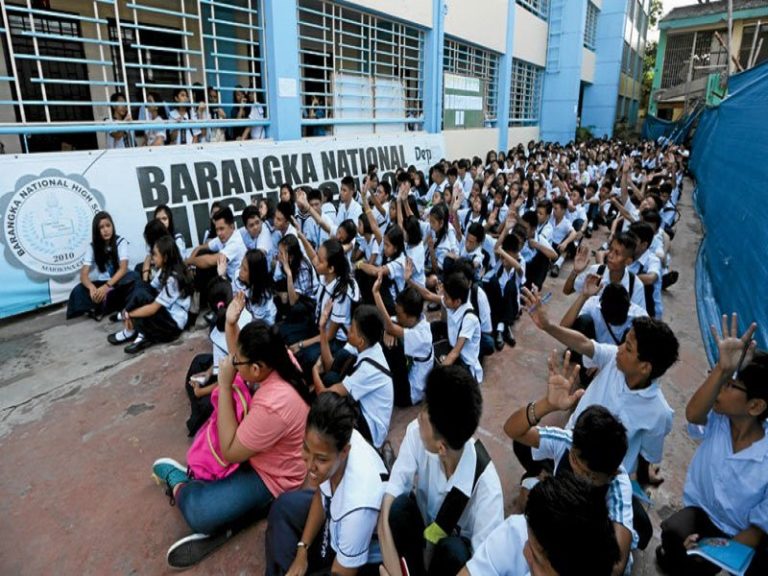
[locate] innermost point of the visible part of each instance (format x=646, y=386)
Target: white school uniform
x=483, y=310
x=183, y=135
x=637, y=296
x=501, y=554
x=560, y=230
x=372, y=388
x=417, y=345
x=219, y=339
x=604, y=333
x=234, y=249
x=649, y=263
x=305, y=282
x=466, y=184
x=257, y=113
x=435, y=187
x=97, y=275
x=353, y=211
x=265, y=310
x=578, y=213
x=417, y=255
x=152, y=137
x=732, y=488
x=467, y=327
x=396, y=271
x=118, y=143
x=475, y=257
x=341, y=313
x=181, y=244
x=354, y=506
x=170, y=298
x=448, y=245
x=419, y=471
x=645, y=413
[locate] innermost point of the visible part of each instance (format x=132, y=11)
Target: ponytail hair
x=333, y=416
x=334, y=253
x=261, y=343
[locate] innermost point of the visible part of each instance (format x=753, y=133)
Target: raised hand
x=235, y=308
x=561, y=382
x=592, y=285
x=581, y=260
x=735, y=352
x=408, y=269
x=536, y=308
x=221, y=264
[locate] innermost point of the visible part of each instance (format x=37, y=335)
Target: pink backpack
x=204, y=459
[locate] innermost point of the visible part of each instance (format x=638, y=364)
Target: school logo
x=47, y=224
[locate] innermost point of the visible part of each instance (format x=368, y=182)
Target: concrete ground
x=81, y=424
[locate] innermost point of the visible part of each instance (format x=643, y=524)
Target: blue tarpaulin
x=730, y=161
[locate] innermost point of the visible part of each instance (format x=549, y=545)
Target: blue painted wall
x=562, y=79
x=433, y=69
x=505, y=80
x=598, y=110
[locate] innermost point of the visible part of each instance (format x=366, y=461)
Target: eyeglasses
x=732, y=384
x=235, y=362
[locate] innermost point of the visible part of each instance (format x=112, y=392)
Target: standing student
x=254, y=280
x=267, y=443
x=368, y=382
x=443, y=494
x=726, y=488
x=330, y=526
x=105, y=280
x=163, y=318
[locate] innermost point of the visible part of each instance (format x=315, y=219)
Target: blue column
x=505, y=80
x=433, y=69
x=282, y=58
x=598, y=110
x=562, y=79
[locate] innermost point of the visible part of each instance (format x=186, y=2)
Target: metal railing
x=525, y=98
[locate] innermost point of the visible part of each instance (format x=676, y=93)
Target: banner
x=47, y=201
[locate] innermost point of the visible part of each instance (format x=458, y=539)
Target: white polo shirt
x=373, y=389
x=645, y=413
x=170, y=297
x=637, y=296
x=234, y=249
x=264, y=310
x=649, y=263
x=467, y=327
x=448, y=244
x=417, y=344
x=262, y=242
x=419, y=471
x=603, y=331
x=396, y=271
x=560, y=230
x=90, y=260
x=501, y=554
x=417, y=254
x=351, y=212
x=732, y=488
x=354, y=507
x=341, y=313
x=219, y=339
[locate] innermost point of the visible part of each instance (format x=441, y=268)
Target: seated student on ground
x=282, y=226
x=480, y=304
x=647, y=268
x=314, y=232
x=627, y=381
x=443, y=480
x=254, y=233
x=164, y=214
x=365, y=377
x=441, y=243
x=105, y=280
x=392, y=270
x=348, y=209
x=267, y=443
x=295, y=283
x=330, y=525
x=463, y=217
x=564, y=235
x=565, y=531
x=620, y=255
x=503, y=286
x=593, y=450
x=153, y=231
x=255, y=281
x=726, y=488
x=157, y=313
x=210, y=232
x=407, y=344
x=457, y=340
x=538, y=251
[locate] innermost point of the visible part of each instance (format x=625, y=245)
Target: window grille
x=471, y=61
x=525, y=96
x=590, y=30
x=538, y=7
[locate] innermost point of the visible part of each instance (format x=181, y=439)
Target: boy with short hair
x=443, y=493
x=348, y=209
x=255, y=234
x=647, y=268
x=503, y=288
x=564, y=235
x=539, y=244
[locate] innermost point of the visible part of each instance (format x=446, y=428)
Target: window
x=538, y=7
x=590, y=30
x=708, y=57
x=525, y=96
x=356, y=68
x=472, y=62
x=625, y=59
x=748, y=41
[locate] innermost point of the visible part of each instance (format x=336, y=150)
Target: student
x=210, y=232
x=282, y=223
x=565, y=531
x=155, y=136
x=254, y=280
x=296, y=285
x=267, y=443
x=563, y=234
x=647, y=268
x=164, y=214
x=503, y=288
x=615, y=270
x=368, y=382
x=254, y=233
x=181, y=113
x=348, y=209
x=313, y=231
x=472, y=249
x=105, y=280
x=163, y=318
x=480, y=304
x=439, y=182
x=593, y=450
x=627, y=381
x=726, y=488
x=540, y=241
x=414, y=249
x=119, y=113
x=330, y=526
x=153, y=231
x=441, y=242
x=409, y=353
x=443, y=480
x=392, y=269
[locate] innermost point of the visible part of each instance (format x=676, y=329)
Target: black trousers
x=200, y=409
x=504, y=304
x=398, y=366
x=203, y=278
x=80, y=298
x=536, y=270
x=365, y=282
x=585, y=325
x=692, y=520
x=449, y=555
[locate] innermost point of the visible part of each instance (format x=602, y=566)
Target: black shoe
x=120, y=338
x=588, y=233
x=95, y=314
x=509, y=338
x=554, y=271
x=498, y=341
x=138, y=346
x=210, y=318
x=669, y=279
x=191, y=321
x=116, y=317
x=190, y=550
x=433, y=307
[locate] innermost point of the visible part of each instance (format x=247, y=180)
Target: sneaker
x=171, y=473
x=121, y=337
x=498, y=341
x=191, y=549
x=669, y=279
x=554, y=271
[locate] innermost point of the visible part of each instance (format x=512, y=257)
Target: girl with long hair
x=441, y=242
x=254, y=280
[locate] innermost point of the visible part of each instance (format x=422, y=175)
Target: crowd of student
x=320, y=327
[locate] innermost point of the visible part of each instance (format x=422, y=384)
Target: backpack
x=204, y=459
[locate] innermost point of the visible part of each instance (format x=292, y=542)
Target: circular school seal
x=47, y=224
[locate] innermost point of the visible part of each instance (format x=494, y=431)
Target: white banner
x=47, y=201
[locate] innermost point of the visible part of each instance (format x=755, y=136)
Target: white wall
x=530, y=37
x=481, y=22
x=588, y=65
x=471, y=142
x=522, y=135
x=416, y=11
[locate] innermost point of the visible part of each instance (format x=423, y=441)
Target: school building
x=488, y=74
x=693, y=52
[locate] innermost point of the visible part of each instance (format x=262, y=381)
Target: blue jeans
x=237, y=500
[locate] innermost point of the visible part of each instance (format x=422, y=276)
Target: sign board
x=462, y=102
x=47, y=201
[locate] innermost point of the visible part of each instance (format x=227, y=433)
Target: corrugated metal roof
x=710, y=8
